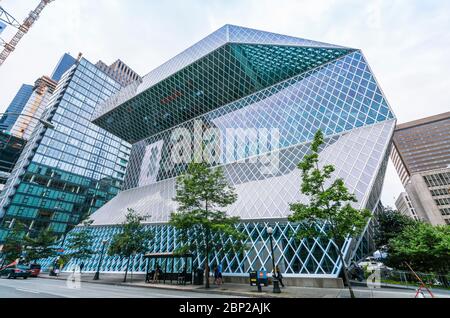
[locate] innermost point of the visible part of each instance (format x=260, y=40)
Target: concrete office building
x=404, y=206
x=35, y=106
x=120, y=71
x=284, y=89
x=421, y=156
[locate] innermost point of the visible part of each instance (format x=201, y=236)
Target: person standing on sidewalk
x=279, y=276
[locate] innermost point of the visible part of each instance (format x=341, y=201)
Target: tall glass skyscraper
x=31, y=100
x=34, y=108
x=10, y=149
x=16, y=107
x=65, y=63
x=265, y=95
x=67, y=173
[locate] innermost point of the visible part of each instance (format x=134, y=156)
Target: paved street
x=58, y=288
x=48, y=288
x=392, y=293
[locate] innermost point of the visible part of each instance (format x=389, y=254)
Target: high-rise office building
x=16, y=107
x=32, y=100
x=34, y=108
x=119, y=70
x=64, y=64
x=404, y=206
x=67, y=173
x=11, y=148
x=421, y=156
x=265, y=95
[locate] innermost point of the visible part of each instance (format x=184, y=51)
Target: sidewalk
x=225, y=290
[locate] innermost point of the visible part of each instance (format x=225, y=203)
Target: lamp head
x=47, y=124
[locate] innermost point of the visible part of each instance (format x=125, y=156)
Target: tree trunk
x=207, y=270
x=126, y=270
x=207, y=235
x=443, y=279
x=346, y=279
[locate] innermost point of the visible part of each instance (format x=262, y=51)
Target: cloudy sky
x=407, y=42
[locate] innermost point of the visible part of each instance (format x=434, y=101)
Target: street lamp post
x=102, y=253
x=46, y=123
x=276, y=284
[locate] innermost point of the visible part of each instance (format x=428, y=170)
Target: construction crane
x=22, y=28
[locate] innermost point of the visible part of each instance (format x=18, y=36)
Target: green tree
x=389, y=224
x=13, y=244
x=329, y=205
x=202, y=224
x=424, y=247
x=134, y=238
x=41, y=246
x=79, y=243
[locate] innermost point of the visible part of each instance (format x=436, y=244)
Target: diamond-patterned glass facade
x=241, y=82
x=223, y=76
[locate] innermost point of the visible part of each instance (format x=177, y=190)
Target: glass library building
x=253, y=101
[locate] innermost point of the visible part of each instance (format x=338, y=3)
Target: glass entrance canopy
x=226, y=74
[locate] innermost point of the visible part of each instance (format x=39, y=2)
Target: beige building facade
x=421, y=156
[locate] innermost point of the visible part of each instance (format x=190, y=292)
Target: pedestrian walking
x=217, y=276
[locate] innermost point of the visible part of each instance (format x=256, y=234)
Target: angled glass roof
x=227, y=74
x=246, y=62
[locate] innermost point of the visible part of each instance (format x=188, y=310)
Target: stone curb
x=195, y=290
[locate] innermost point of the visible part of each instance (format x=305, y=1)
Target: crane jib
x=22, y=29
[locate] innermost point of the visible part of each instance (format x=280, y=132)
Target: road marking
x=28, y=291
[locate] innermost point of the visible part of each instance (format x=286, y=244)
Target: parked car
x=16, y=271
x=35, y=270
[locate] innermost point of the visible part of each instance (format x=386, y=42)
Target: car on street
x=35, y=270
x=16, y=271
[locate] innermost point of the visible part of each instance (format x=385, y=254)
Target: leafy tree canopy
x=202, y=223
x=41, y=246
x=389, y=224
x=80, y=242
x=133, y=239
x=425, y=247
x=328, y=204
x=13, y=245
